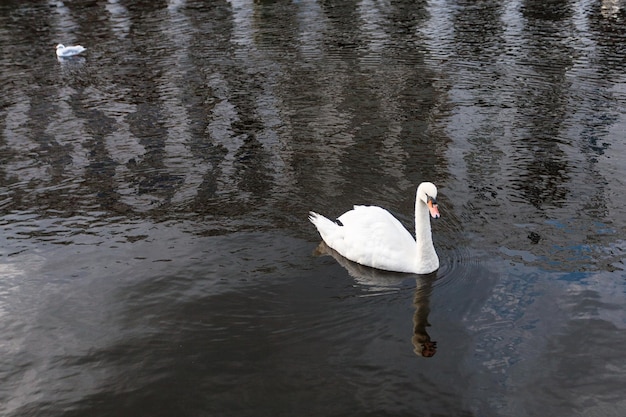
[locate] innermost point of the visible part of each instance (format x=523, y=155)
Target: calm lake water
x=156, y=258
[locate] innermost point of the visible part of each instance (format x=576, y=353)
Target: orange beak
x=433, y=208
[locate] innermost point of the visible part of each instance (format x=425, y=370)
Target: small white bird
x=371, y=236
x=67, y=51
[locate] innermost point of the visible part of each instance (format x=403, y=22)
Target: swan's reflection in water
x=379, y=281
x=422, y=344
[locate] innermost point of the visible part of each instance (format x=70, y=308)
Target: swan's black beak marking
x=338, y=222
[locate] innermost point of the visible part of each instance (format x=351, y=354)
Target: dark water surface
x=156, y=258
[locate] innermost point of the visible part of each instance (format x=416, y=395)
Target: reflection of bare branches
x=378, y=280
x=610, y=8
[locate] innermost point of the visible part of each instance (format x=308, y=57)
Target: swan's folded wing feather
x=376, y=223
x=372, y=236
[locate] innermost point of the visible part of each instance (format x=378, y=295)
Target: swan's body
x=67, y=51
x=371, y=236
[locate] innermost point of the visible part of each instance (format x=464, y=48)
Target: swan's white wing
x=371, y=236
x=377, y=223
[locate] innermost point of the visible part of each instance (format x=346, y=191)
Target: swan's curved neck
x=423, y=235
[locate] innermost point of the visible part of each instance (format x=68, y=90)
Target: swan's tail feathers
x=324, y=226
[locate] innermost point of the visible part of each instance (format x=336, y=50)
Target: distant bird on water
x=67, y=51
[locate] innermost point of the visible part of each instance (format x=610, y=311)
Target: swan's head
x=427, y=193
x=60, y=46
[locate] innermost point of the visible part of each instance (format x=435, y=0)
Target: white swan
x=371, y=236
x=67, y=51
